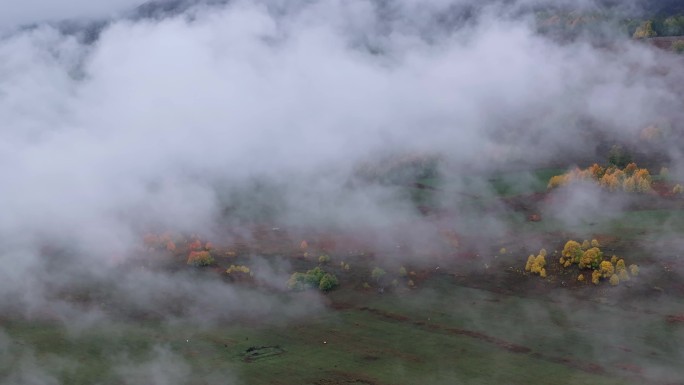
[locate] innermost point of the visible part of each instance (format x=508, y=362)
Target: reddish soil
x=346, y=378
x=675, y=319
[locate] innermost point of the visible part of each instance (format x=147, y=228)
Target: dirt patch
x=255, y=353
x=469, y=333
x=675, y=319
x=384, y=314
x=345, y=378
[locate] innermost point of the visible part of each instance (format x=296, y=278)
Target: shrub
x=595, y=243
x=664, y=173
x=378, y=273
x=623, y=275
x=402, y=271
x=634, y=270
x=238, y=269
x=677, y=189
x=580, y=277
x=323, y=259
x=614, y=280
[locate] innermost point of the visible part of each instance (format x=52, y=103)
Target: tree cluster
x=159, y=242
x=668, y=26
x=536, y=264
x=588, y=255
x=612, y=178
x=315, y=278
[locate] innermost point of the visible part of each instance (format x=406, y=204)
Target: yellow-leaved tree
x=572, y=251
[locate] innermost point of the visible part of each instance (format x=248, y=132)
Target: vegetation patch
x=612, y=178
x=312, y=279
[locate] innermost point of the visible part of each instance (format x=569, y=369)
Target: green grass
x=359, y=344
x=516, y=183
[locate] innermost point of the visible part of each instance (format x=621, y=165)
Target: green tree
x=328, y=282
x=314, y=278
x=378, y=273
x=678, y=46
x=674, y=26
x=619, y=157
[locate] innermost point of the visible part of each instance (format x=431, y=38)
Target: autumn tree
x=530, y=262
x=606, y=269
x=572, y=251
x=200, y=258
x=591, y=258
x=645, y=30
x=614, y=280
x=634, y=270
x=536, y=265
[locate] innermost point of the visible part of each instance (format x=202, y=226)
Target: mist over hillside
x=233, y=123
